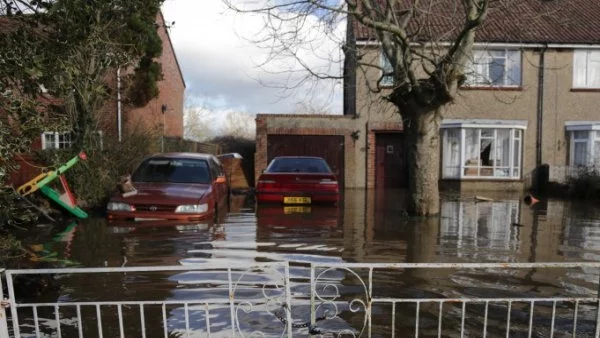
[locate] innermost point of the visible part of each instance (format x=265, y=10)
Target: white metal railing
x=318, y=299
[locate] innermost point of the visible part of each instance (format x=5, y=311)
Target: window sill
x=585, y=90
x=496, y=88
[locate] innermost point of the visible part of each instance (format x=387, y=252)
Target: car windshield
x=172, y=170
x=298, y=165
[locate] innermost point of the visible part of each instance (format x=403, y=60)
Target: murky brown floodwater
x=368, y=226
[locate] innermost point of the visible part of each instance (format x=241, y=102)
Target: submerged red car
x=297, y=180
x=173, y=186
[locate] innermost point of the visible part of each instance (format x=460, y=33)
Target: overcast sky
x=219, y=64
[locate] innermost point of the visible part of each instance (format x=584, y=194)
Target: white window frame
x=56, y=143
x=586, y=69
x=478, y=70
x=515, y=161
x=593, y=137
x=386, y=67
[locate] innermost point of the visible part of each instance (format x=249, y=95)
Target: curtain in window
x=496, y=67
x=586, y=69
x=386, y=65
x=452, y=153
x=593, y=76
x=580, y=153
x=596, y=154
x=471, y=147
x=516, y=153
x=49, y=142
x=513, y=77
x=502, y=152
x=499, y=67
x=579, y=68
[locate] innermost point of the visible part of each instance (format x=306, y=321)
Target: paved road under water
x=369, y=226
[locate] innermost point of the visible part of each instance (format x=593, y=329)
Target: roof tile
x=509, y=21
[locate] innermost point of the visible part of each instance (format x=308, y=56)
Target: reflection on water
x=489, y=229
x=368, y=226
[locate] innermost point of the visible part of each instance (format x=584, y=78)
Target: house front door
x=390, y=169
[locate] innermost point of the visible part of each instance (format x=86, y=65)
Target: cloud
x=220, y=64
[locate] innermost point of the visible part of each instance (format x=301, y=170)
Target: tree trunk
x=422, y=141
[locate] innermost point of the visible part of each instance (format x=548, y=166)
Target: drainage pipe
x=540, y=110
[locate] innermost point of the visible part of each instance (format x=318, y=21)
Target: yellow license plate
x=296, y=210
x=296, y=200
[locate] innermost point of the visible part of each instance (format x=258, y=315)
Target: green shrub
x=10, y=250
x=15, y=212
x=93, y=180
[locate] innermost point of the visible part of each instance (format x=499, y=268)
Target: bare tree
x=427, y=43
x=239, y=125
x=199, y=124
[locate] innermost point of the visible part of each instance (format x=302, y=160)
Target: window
x=56, y=140
x=64, y=140
x=482, y=149
x=584, y=144
x=173, y=170
x=494, y=67
x=387, y=78
x=586, y=69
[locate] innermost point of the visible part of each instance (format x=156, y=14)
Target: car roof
x=200, y=156
x=299, y=157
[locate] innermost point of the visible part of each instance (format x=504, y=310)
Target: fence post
x=3, y=304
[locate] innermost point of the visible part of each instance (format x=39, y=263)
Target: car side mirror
x=221, y=179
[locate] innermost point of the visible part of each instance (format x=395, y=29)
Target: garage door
x=329, y=147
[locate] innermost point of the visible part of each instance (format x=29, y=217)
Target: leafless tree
x=199, y=123
x=240, y=125
x=427, y=42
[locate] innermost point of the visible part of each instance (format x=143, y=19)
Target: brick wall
x=171, y=89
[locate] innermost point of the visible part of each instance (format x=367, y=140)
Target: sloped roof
x=171, y=47
x=508, y=21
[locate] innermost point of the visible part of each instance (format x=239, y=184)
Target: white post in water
x=3, y=304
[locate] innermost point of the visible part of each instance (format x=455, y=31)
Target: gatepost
x=3, y=304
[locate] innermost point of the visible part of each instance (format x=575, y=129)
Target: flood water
x=368, y=226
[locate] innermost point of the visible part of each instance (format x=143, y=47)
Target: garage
x=329, y=147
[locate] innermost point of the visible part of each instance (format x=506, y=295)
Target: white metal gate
x=279, y=299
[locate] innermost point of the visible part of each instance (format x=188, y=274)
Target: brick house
x=163, y=114
x=527, y=111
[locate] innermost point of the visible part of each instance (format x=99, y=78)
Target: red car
x=297, y=180
x=173, y=186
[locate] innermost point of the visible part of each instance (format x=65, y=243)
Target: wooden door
x=390, y=168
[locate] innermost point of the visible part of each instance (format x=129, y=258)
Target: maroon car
x=173, y=186
x=297, y=180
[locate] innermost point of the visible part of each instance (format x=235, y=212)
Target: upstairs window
x=387, y=73
x=494, y=68
x=586, y=69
